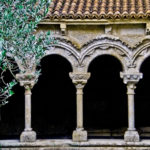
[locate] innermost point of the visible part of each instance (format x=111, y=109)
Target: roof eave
x=95, y=21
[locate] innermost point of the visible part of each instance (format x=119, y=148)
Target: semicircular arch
x=106, y=45
x=65, y=49
x=141, y=52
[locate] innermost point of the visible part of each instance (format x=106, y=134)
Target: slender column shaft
x=79, y=108
x=131, y=115
x=28, y=109
x=131, y=77
x=27, y=80
x=79, y=80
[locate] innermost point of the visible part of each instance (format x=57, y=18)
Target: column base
x=79, y=135
x=131, y=136
x=28, y=136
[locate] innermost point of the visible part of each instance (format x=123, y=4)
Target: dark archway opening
x=12, y=114
x=105, y=100
x=54, y=100
x=142, y=101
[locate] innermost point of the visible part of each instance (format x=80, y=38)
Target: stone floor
x=92, y=144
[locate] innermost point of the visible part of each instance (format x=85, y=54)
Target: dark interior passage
x=142, y=101
x=12, y=115
x=105, y=100
x=54, y=100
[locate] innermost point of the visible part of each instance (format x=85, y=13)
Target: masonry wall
x=79, y=35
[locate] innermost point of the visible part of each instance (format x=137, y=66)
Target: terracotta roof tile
x=91, y=9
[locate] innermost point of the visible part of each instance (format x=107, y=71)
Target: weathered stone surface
x=131, y=136
x=70, y=145
x=79, y=136
x=28, y=136
x=81, y=45
x=83, y=148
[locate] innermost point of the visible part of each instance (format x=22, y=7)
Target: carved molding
x=66, y=49
x=27, y=80
x=141, y=51
x=130, y=88
x=106, y=45
x=105, y=37
x=131, y=77
x=102, y=45
x=79, y=79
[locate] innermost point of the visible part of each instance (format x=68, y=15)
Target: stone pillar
x=79, y=79
x=131, y=135
x=27, y=80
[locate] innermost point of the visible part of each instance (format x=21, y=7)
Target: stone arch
x=142, y=102
x=102, y=98
x=65, y=49
x=107, y=53
x=141, y=52
x=105, y=45
x=58, y=98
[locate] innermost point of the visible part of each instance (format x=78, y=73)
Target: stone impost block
x=79, y=78
x=131, y=77
x=26, y=79
x=131, y=136
x=79, y=136
x=28, y=136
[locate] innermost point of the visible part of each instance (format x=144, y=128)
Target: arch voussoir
x=65, y=49
x=141, y=52
x=106, y=45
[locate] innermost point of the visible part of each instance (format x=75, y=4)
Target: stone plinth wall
x=69, y=145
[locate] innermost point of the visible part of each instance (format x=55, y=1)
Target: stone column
x=79, y=79
x=27, y=80
x=131, y=135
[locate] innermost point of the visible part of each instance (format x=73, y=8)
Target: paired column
x=28, y=81
x=131, y=135
x=79, y=79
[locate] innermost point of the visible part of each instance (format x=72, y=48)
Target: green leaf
x=3, y=53
x=19, y=20
x=11, y=93
x=49, y=33
x=11, y=84
x=4, y=67
x=20, y=6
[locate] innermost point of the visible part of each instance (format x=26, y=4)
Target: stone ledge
x=69, y=144
x=77, y=148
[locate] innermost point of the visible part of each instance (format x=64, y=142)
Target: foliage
x=19, y=20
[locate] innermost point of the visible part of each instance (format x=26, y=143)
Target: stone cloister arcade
x=131, y=60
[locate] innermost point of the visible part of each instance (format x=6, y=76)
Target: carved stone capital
x=79, y=79
x=131, y=77
x=130, y=88
x=27, y=80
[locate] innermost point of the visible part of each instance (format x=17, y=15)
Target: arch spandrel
x=141, y=52
x=65, y=49
x=106, y=45
x=103, y=45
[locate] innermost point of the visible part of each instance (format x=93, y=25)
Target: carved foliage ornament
x=105, y=45
x=27, y=79
x=79, y=79
x=131, y=77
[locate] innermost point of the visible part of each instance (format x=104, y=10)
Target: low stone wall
x=78, y=148
x=69, y=145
